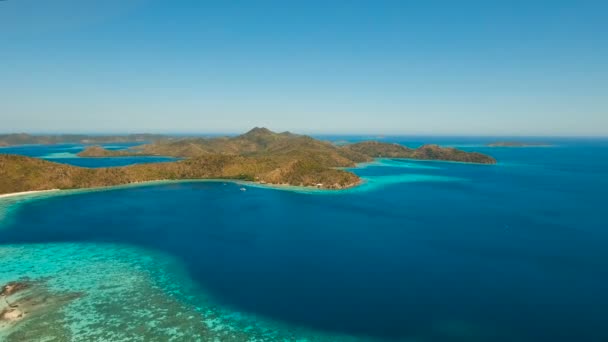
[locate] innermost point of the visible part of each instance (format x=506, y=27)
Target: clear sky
x=394, y=67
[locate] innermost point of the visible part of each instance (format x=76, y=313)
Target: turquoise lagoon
x=422, y=251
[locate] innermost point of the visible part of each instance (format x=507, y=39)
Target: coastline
x=11, y=198
x=10, y=201
x=40, y=193
x=170, y=181
x=24, y=193
x=284, y=186
x=445, y=161
x=280, y=186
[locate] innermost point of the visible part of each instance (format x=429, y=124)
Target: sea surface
x=422, y=251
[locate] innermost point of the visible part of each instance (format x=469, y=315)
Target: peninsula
x=259, y=155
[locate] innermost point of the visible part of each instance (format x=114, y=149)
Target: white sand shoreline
x=15, y=194
x=285, y=187
x=174, y=181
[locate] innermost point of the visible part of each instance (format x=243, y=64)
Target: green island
x=259, y=155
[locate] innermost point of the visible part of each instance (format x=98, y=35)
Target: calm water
x=426, y=251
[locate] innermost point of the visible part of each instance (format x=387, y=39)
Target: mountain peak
x=260, y=131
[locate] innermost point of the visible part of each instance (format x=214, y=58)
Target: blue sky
x=391, y=67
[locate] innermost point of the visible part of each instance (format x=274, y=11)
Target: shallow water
x=423, y=251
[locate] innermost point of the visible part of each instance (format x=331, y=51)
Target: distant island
x=516, y=144
x=28, y=139
x=259, y=155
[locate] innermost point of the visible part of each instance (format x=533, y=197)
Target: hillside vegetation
x=261, y=141
x=426, y=152
x=98, y=151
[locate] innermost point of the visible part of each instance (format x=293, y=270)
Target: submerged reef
x=139, y=296
x=25, y=300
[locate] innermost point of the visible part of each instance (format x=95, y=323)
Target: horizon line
x=371, y=134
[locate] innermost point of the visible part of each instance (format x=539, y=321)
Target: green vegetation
x=257, y=142
x=20, y=173
x=426, y=152
x=377, y=149
x=98, y=151
x=258, y=155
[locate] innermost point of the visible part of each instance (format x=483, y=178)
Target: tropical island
x=28, y=139
x=259, y=155
x=516, y=144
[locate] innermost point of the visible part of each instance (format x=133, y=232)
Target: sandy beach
x=14, y=194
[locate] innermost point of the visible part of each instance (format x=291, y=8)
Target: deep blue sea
x=423, y=251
